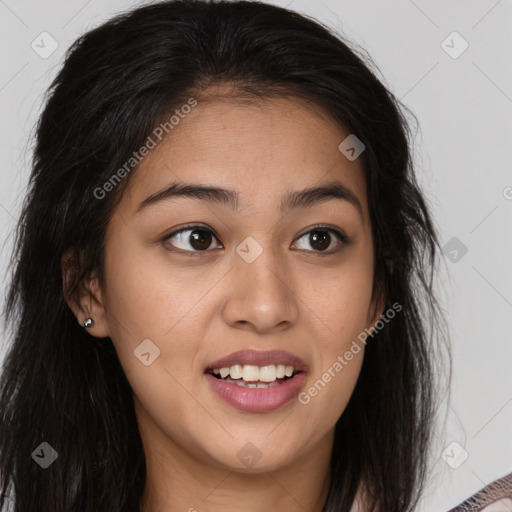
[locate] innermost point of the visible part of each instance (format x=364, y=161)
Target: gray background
x=464, y=106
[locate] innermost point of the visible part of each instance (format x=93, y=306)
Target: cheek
x=156, y=343
x=341, y=301
x=330, y=389
x=330, y=386
x=157, y=310
x=340, y=309
x=146, y=291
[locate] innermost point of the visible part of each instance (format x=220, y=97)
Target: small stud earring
x=88, y=322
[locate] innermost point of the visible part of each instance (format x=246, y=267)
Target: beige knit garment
x=495, y=497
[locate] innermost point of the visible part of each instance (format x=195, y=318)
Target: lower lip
x=254, y=399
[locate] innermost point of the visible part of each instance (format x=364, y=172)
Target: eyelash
x=342, y=238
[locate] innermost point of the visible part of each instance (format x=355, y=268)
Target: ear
x=379, y=299
x=83, y=297
x=377, y=306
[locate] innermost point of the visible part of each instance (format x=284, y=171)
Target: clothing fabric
x=495, y=497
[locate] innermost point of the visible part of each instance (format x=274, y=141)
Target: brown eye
x=195, y=238
x=200, y=239
x=321, y=239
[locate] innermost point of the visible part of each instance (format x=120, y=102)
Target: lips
x=274, y=396
x=260, y=358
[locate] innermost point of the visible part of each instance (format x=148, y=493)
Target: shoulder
x=495, y=497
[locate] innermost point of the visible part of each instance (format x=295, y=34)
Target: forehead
x=261, y=148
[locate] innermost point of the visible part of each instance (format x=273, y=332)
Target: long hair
x=117, y=83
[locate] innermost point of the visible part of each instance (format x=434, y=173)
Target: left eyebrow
x=292, y=200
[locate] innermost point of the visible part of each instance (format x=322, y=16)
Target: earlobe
x=83, y=297
x=93, y=308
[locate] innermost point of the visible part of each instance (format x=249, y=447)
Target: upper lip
x=260, y=358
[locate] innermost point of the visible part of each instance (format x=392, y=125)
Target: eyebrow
x=295, y=199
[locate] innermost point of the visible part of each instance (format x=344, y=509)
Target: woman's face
x=254, y=275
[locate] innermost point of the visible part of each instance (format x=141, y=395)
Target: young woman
x=222, y=291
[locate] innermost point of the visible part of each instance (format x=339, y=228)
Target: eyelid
x=190, y=226
x=343, y=239
x=326, y=227
x=187, y=227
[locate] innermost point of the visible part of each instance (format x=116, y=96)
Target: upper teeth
x=252, y=373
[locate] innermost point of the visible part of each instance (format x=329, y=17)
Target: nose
x=260, y=295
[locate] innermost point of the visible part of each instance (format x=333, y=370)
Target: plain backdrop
x=450, y=63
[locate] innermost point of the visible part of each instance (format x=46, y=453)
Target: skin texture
x=200, y=308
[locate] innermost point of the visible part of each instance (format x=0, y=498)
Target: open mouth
x=256, y=380
x=254, y=377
